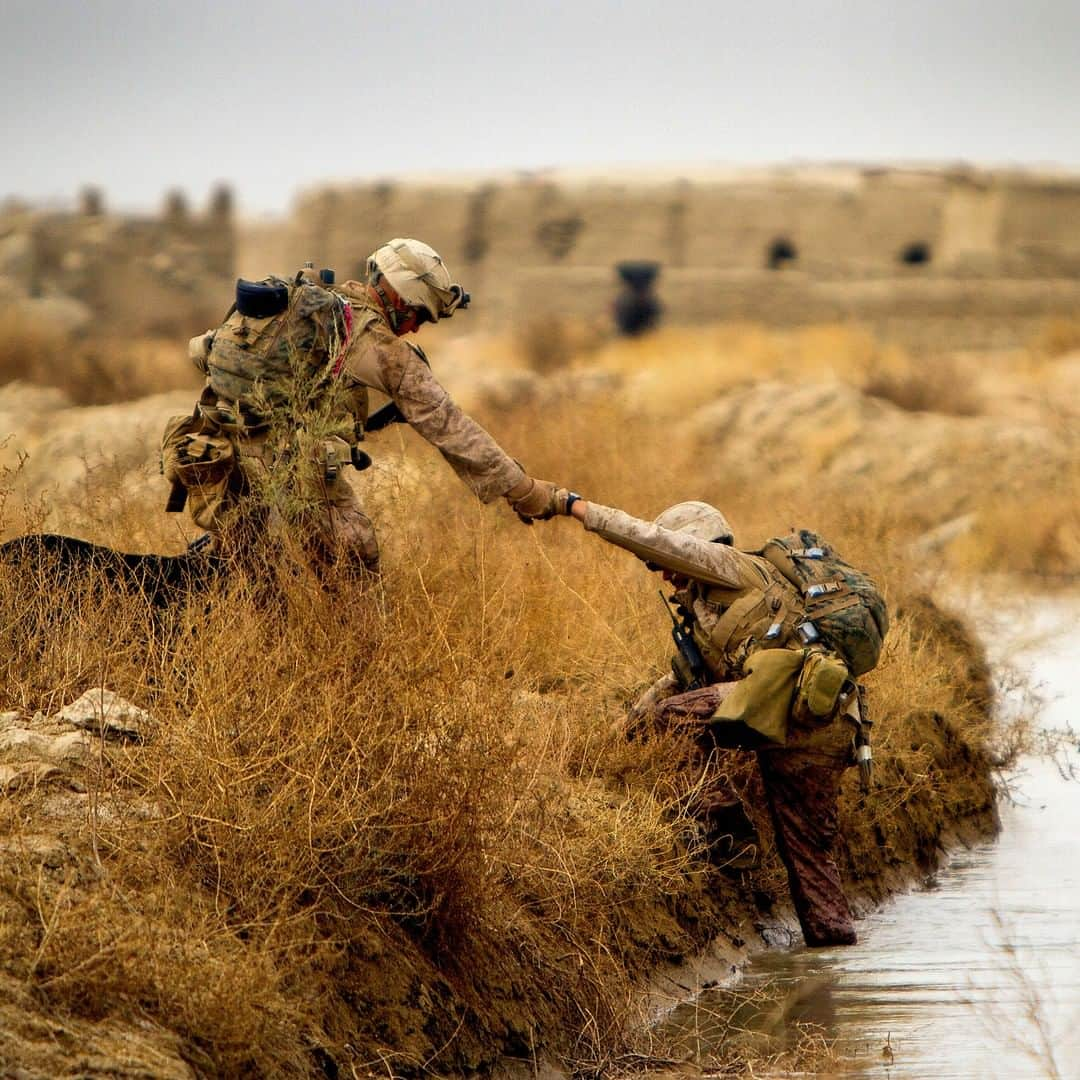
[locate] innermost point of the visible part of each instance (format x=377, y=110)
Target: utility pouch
x=200, y=462
x=820, y=689
x=333, y=454
x=761, y=701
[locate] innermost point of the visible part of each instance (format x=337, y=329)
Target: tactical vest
x=281, y=345
x=795, y=592
x=729, y=624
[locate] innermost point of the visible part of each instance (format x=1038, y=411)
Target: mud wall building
x=975, y=256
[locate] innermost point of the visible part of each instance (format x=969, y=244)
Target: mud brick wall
x=785, y=246
x=136, y=273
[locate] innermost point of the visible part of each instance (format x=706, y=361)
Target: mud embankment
x=473, y=1001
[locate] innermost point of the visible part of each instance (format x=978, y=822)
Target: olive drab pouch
x=843, y=609
x=201, y=461
x=824, y=684
x=761, y=701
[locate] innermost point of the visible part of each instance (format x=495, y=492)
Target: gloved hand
x=533, y=500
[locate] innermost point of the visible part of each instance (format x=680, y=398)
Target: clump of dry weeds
x=936, y=384
x=549, y=343
x=1057, y=337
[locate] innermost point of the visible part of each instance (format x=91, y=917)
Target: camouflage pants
x=802, y=785
x=265, y=497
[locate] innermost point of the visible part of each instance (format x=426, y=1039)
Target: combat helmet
x=698, y=519
x=418, y=275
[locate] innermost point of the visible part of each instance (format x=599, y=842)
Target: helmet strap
x=394, y=308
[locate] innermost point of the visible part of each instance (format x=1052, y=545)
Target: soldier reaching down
x=285, y=405
x=770, y=645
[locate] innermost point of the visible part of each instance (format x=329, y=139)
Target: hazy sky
x=142, y=95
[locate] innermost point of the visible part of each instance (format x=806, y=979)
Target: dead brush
x=1057, y=337
x=360, y=793
x=549, y=343
x=939, y=384
x=27, y=349
x=1036, y=534
x=734, y=1030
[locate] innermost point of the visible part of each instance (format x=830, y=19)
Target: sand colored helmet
x=699, y=519
x=418, y=275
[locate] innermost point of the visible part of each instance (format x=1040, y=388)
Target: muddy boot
x=730, y=836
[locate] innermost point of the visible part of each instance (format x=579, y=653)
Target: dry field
x=386, y=828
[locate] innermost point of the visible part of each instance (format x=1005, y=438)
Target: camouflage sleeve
x=471, y=452
x=715, y=564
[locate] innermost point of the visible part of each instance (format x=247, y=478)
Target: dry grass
x=1057, y=337
x=550, y=343
x=675, y=370
x=91, y=371
x=391, y=820
x=941, y=384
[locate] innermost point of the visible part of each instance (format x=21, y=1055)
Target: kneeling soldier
x=769, y=646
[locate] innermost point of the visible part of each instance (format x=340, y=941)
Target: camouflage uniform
x=376, y=358
x=802, y=776
x=372, y=358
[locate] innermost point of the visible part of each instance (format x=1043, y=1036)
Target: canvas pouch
x=202, y=462
x=762, y=700
x=820, y=686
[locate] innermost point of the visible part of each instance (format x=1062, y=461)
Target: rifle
x=688, y=665
x=383, y=417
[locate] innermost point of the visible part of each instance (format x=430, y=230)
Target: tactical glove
x=533, y=500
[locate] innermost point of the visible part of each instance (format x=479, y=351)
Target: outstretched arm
x=471, y=452
x=714, y=564
x=377, y=358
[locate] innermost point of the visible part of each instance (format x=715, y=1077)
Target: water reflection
x=975, y=976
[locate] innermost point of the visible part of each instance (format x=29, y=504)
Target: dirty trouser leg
x=729, y=834
x=344, y=534
x=802, y=793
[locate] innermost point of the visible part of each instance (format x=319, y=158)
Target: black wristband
x=572, y=498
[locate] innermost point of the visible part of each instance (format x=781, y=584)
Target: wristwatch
x=571, y=498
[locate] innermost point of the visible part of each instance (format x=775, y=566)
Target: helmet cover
x=699, y=520
x=417, y=273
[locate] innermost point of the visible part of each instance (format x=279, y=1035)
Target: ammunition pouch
x=824, y=685
x=199, y=460
x=333, y=454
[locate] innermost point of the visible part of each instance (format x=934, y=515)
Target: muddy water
x=977, y=975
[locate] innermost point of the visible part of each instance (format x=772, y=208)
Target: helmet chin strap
x=394, y=314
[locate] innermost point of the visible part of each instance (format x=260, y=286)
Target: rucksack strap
x=823, y=588
x=722, y=633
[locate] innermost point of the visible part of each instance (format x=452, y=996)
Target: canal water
x=978, y=974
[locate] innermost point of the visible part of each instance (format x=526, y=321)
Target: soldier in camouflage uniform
x=801, y=764
x=354, y=341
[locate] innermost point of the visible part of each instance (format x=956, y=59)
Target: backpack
x=276, y=333
x=843, y=607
